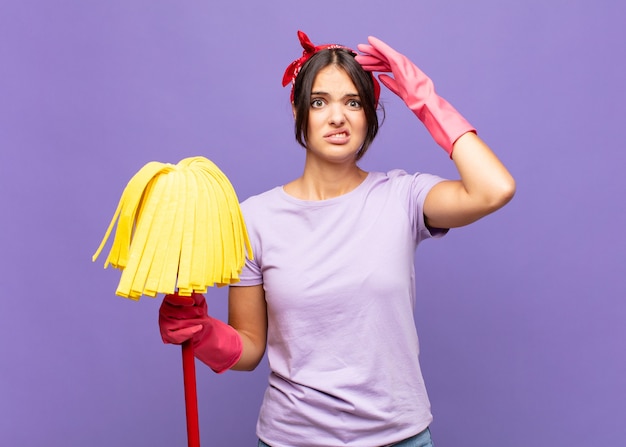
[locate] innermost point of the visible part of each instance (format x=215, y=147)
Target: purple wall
x=521, y=316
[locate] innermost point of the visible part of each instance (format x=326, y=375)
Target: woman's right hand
x=183, y=317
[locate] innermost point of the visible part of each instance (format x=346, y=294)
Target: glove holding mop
x=180, y=231
x=215, y=343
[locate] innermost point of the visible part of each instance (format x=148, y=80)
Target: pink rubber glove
x=215, y=343
x=416, y=89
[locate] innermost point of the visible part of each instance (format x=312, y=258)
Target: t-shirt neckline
x=331, y=201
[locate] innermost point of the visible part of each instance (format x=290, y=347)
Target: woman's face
x=337, y=124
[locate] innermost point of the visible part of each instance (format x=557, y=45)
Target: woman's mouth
x=337, y=137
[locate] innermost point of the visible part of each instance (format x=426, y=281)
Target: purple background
x=521, y=316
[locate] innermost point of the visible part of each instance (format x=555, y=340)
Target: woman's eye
x=354, y=104
x=317, y=103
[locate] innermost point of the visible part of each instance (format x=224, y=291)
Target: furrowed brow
x=347, y=95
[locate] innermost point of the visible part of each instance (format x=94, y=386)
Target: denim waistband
x=422, y=439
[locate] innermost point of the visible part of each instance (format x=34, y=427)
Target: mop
x=179, y=229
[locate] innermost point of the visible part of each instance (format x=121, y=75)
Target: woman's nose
x=337, y=115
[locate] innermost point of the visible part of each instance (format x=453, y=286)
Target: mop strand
x=179, y=228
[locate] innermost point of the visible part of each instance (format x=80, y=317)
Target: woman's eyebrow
x=347, y=95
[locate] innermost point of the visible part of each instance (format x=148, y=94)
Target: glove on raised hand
x=215, y=343
x=416, y=89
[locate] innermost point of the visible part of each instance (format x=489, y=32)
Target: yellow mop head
x=180, y=228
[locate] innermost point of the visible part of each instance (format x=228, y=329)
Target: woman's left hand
x=409, y=82
x=416, y=89
x=485, y=183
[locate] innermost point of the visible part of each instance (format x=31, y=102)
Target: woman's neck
x=323, y=182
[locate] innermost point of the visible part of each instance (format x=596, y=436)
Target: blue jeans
x=420, y=440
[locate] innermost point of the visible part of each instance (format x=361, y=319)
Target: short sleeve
x=251, y=274
x=412, y=190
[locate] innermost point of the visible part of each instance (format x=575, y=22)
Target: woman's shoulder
x=395, y=176
x=403, y=183
x=261, y=197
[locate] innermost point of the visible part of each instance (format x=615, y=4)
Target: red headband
x=309, y=50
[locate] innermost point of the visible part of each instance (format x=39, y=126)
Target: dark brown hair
x=362, y=80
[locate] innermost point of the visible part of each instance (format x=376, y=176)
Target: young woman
x=331, y=289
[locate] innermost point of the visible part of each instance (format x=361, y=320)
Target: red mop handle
x=191, y=396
